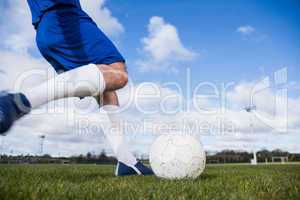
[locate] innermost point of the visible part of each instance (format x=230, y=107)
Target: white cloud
x=215, y=129
x=103, y=16
x=162, y=48
x=163, y=42
x=15, y=65
x=246, y=30
x=249, y=33
x=220, y=130
x=17, y=33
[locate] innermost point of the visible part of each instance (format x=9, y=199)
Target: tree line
x=225, y=156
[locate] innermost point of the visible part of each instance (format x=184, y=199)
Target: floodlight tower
x=42, y=139
x=250, y=109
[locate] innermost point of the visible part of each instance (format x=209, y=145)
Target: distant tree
x=103, y=154
x=279, y=152
x=264, y=155
x=47, y=156
x=89, y=156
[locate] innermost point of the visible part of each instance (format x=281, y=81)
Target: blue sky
x=219, y=42
x=209, y=27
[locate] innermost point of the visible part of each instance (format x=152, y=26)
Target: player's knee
x=122, y=74
x=123, y=81
x=116, y=75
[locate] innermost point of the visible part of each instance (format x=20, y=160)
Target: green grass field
x=97, y=182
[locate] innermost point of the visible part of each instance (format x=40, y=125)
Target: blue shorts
x=68, y=38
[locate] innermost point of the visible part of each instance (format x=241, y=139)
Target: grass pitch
x=97, y=182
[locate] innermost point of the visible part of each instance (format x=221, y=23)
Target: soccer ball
x=177, y=157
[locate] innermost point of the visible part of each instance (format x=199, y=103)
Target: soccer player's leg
x=80, y=82
x=127, y=163
x=83, y=81
x=12, y=107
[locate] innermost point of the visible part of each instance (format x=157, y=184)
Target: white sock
x=115, y=136
x=84, y=81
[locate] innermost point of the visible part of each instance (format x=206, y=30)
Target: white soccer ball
x=177, y=157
